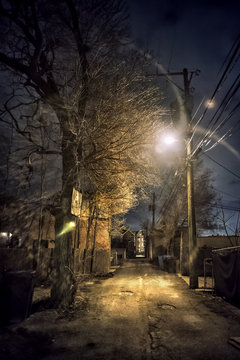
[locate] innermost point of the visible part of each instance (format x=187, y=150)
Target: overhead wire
x=227, y=99
x=228, y=54
x=225, y=193
x=221, y=108
x=225, y=207
x=222, y=166
x=168, y=200
x=232, y=54
x=223, y=76
x=211, y=132
x=228, y=117
x=229, y=60
x=236, y=126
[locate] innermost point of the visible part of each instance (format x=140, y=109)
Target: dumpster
x=226, y=271
x=16, y=292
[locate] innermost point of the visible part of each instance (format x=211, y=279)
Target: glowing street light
x=188, y=105
x=166, y=141
x=169, y=140
x=210, y=104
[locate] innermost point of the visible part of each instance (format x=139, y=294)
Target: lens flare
x=169, y=140
x=68, y=227
x=210, y=104
x=72, y=224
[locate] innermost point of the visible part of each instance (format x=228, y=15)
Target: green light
x=72, y=224
x=68, y=227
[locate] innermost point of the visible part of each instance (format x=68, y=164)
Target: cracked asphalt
x=139, y=313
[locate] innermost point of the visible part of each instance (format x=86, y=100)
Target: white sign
x=76, y=202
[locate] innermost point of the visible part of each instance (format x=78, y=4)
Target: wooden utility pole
x=192, y=241
x=153, y=210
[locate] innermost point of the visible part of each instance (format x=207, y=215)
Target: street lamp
x=172, y=141
x=187, y=109
x=169, y=140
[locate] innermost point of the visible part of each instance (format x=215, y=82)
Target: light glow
x=68, y=227
x=4, y=234
x=72, y=224
x=166, y=141
x=210, y=104
x=169, y=140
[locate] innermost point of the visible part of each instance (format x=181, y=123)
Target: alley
x=139, y=313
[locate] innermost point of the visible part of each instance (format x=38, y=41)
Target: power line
x=225, y=193
x=227, y=98
x=223, y=106
x=224, y=167
x=237, y=47
x=225, y=207
x=228, y=54
x=168, y=201
x=236, y=126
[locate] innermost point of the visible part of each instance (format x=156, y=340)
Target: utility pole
x=192, y=240
x=153, y=210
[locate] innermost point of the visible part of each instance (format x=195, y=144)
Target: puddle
x=166, y=306
x=126, y=292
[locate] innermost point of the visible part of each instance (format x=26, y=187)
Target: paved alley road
x=140, y=313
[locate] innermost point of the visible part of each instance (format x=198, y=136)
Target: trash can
x=15, y=296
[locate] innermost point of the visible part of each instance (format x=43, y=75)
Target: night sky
x=198, y=35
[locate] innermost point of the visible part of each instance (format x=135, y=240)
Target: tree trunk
x=64, y=284
x=89, y=250
x=94, y=242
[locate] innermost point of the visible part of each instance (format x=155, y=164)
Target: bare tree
x=68, y=59
x=224, y=223
x=174, y=210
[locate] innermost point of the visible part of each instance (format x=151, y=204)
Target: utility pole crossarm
x=177, y=73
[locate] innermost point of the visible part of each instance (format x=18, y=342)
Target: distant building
x=133, y=241
x=140, y=243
